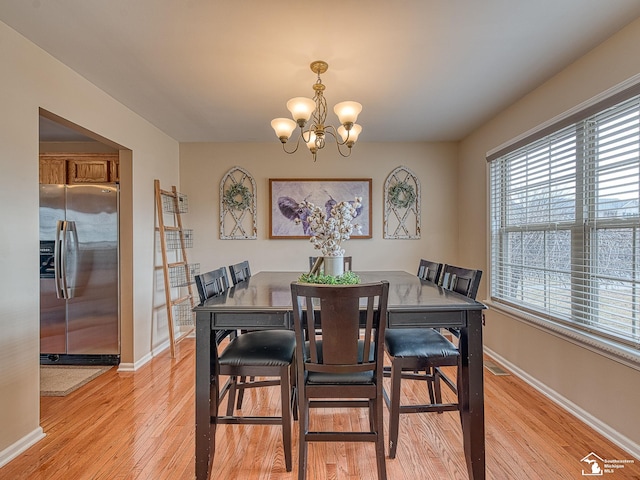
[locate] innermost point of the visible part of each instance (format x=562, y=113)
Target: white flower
x=328, y=231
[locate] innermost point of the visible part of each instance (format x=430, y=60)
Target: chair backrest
x=347, y=263
x=461, y=280
x=239, y=272
x=346, y=333
x=212, y=284
x=429, y=271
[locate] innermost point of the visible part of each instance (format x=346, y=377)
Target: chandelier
x=303, y=109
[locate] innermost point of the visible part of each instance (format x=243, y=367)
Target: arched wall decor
x=402, y=205
x=238, y=206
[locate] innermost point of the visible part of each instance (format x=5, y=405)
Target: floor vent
x=495, y=369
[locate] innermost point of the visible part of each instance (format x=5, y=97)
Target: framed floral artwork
x=287, y=219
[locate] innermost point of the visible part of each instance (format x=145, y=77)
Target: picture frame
x=286, y=193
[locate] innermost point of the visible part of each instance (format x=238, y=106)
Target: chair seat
x=419, y=343
x=267, y=348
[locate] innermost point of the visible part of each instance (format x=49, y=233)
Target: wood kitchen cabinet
x=74, y=168
x=53, y=170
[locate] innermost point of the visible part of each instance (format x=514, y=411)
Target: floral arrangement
x=347, y=278
x=331, y=226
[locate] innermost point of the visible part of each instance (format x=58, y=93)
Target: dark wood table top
x=272, y=291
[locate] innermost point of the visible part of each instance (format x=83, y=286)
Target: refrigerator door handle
x=58, y=263
x=65, y=255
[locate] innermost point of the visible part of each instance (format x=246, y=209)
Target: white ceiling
x=219, y=71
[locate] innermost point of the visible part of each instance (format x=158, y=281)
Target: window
x=565, y=222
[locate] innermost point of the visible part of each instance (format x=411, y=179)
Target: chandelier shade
x=283, y=127
x=347, y=112
x=301, y=109
x=310, y=115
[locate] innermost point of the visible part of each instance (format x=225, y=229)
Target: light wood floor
x=141, y=426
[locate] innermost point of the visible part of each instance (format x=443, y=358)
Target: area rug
x=61, y=380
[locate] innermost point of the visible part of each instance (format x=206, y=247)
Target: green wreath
x=237, y=197
x=401, y=195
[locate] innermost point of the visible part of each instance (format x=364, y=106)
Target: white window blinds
x=565, y=224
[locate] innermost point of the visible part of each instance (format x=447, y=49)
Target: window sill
x=615, y=351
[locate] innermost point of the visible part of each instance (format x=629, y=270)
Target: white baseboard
x=20, y=446
x=599, y=426
x=132, y=367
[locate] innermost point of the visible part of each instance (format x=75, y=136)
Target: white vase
x=333, y=266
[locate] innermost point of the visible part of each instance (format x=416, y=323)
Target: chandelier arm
x=284, y=146
x=340, y=151
x=333, y=131
x=338, y=143
x=312, y=128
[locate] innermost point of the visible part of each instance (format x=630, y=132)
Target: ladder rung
x=172, y=228
x=180, y=300
x=168, y=193
x=177, y=264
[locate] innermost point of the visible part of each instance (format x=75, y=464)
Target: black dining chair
x=239, y=272
x=339, y=358
x=461, y=280
x=265, y=353
x=430, y=271
x=211, y=284
x=415, y=350
x=346, y=260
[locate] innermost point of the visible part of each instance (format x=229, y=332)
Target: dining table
x=263, y=301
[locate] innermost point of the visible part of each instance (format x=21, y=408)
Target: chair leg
x=380, y=455
x=372, y=415
x=394, y=408
x=241, y=391
x=430, y=374
x=241, y=381
x=303, y=423
x=231, y=395
x=285, y=392
x=437, y=386
x=294, y=390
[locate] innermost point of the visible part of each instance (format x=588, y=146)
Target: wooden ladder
x=179, y=273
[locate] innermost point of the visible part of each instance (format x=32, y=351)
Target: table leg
x=205, y=431
x=471, y=395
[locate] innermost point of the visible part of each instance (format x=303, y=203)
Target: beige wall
x=202, y=166
x=605, y=392
x=32, y=79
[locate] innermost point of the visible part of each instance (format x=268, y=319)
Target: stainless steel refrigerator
x=79, y=274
